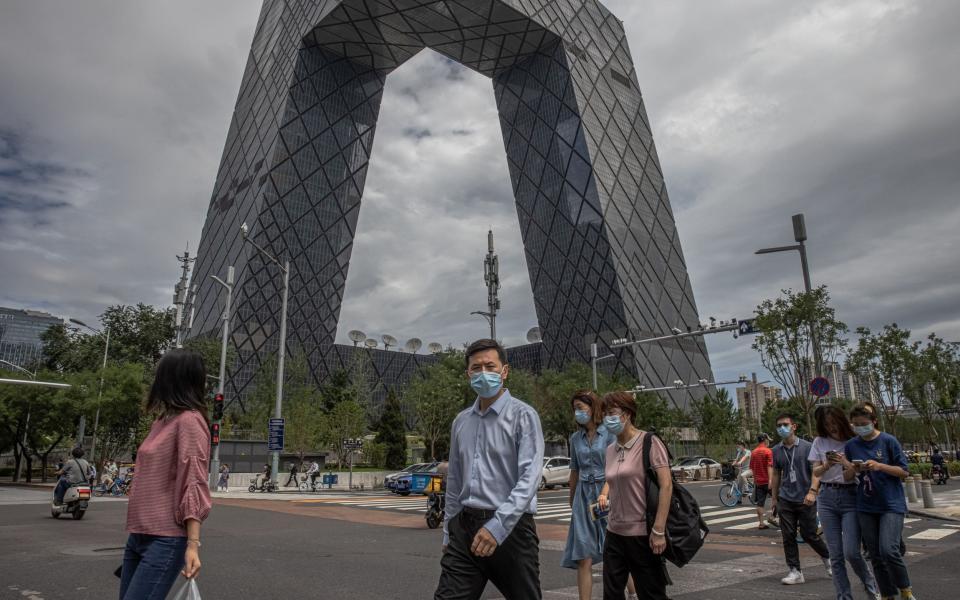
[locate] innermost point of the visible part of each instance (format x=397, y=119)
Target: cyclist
x=313, y=472
x=741, y=463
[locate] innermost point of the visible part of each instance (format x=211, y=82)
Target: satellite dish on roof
x=357, y=336
x=434, y=347
x=534, y=335
x=413, y=344
x=388, y=340
x=371, y=343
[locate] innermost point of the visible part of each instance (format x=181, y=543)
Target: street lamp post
x=281, y=353
x=800, y=235
x=103, y=370
x=221, y=381
x=26, y=425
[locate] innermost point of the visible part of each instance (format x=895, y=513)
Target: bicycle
x=308, y=485
x=731, y=494
x=119, y=487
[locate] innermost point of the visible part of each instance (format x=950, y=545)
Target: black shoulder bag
x=685, y=530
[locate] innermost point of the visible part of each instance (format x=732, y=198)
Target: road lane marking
x=932, y=534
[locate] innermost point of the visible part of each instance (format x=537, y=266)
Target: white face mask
x=863, y=430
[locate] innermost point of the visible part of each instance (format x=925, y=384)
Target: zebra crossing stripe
x=727, y=511
x=932, y=534
x=729, y=519
x=743, y=526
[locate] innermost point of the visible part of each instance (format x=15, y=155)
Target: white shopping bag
x=188, y=591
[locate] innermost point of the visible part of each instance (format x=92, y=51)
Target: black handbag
x=685, y=531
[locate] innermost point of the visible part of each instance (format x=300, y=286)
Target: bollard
x=928, y=494
x=916, y=485
x=910, y=489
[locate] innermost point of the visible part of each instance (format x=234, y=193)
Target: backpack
x=685, y=530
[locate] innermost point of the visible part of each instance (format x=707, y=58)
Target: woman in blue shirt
x=588, y=449
x=880, y=467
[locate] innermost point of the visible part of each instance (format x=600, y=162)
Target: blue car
x=400, y=482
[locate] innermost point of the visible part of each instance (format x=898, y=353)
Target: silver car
x=556, y=471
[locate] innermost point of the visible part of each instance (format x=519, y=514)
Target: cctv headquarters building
x=601, y=242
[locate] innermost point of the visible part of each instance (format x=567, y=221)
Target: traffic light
x=218, y=407
x=214, y=434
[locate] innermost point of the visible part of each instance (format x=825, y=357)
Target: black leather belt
x=479, y=514
x=837, y=485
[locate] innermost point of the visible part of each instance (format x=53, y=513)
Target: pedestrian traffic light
x=214, y=434
x=218, y=407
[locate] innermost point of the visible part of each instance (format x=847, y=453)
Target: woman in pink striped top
x=170, y=497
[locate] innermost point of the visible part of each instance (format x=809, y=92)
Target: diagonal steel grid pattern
x=600, y=238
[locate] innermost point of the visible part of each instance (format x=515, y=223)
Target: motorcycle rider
x=74, y=471
x=938, y=461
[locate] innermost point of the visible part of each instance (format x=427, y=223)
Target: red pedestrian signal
x=218, y=407
x=214, y=434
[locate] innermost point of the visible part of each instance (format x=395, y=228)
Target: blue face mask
x=613, y=424
x=581, y=416
x=486, y=384
x=863, y=430
x=784, y=431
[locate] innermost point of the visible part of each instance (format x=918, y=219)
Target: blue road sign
x=275, y=435
x=747, y=327
x=820, y=387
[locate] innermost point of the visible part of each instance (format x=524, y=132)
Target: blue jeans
x=150, y=566
x=58, y=492
x=841, y=528
x=881, y=535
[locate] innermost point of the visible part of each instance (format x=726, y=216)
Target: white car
x=556, y=471
x=689, y=466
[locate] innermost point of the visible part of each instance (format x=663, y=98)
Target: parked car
x=689, y=466
x=401, y=485
x=556, y=471
x=390, y=480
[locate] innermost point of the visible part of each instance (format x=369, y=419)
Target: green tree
x=346, y=420
x=883, y=360
x=138, y=334
x=364, y=385
x=789, y=326
x=438, y=392
x=932, y=382
x=391, y=432
x=715, y=419
x=303, y=417
x=654, y=413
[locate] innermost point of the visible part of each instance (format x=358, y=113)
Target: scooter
x=435, y=506
x=75, y=502
x=938, y=475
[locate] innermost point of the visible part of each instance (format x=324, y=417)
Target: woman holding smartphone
x=588, y=450
x=880, y=465
x=837, y=502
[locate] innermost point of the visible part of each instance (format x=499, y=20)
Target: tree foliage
x=438, y=393
x=391, y=432
x=789, y=327
x=883, y=361
x=716, y=419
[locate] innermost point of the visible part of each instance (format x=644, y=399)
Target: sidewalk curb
x=920, y=512
x=23, y=484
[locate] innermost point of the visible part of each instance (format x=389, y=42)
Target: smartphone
x=597, y=512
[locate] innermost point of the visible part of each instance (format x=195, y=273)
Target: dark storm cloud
x=843, y=111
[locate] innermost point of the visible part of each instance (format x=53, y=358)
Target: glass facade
x=600, y=239
x=20, y=332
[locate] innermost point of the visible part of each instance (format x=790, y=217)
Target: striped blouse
x=171, y=477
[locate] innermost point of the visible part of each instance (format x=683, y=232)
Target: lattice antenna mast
x=183, y=298
x=491, y=276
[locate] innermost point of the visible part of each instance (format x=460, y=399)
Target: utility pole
x=221, y=380
x=491, y=276
x=182, y=298
x=800, y=236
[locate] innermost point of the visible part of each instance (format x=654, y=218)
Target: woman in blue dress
x=588, y=448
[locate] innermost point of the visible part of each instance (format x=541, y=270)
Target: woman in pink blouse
x=170, y=497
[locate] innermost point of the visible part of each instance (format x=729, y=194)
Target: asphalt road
x=295, y=546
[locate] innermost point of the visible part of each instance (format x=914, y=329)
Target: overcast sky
x=113, y=117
